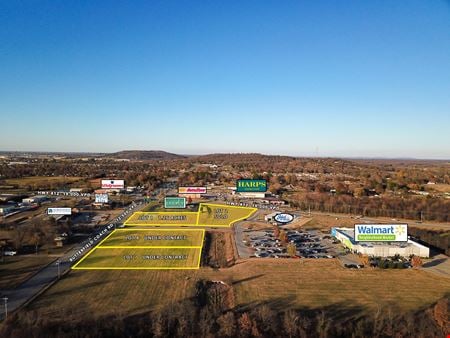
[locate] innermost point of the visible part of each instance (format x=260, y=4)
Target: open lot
x=141, y=258
x=37, y=182
x=222, y=215
x=17, y=269
x=215, y=215
x=162, y=218
x=155, y=237
x=281, y=283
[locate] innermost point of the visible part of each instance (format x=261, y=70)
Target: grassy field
x=41, y=180
x=214, y=215
x=162, y=218
x=141, y=258
x=155, y=237
x=440, y=187
x=222, y=215
x=15, y=270
x=280, y=283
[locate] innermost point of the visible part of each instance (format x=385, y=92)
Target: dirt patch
x=219, y=250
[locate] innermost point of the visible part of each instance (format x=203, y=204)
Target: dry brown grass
x=280, y=283
x=41, y=180
x=15, y=270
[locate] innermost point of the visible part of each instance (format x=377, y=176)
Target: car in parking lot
x=354, y=266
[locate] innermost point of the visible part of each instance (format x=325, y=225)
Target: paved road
x=439, y=265
x=242, y=249
x=41, y=280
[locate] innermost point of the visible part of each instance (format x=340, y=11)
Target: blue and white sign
x=284, y=218
x=101, y=198
x=381, y=232
x=59, y=211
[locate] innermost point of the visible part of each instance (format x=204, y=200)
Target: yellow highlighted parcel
x=162, y=238
x=214, y=215
x=141, y=249
x=102, y=258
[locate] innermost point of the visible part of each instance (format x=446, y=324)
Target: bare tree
x=290, y=325
x=245, y=324
x=227, y=324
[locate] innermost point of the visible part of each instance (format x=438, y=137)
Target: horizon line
x=234, y=153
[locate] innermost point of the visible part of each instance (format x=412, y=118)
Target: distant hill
x=240, y=157
x=144, y=155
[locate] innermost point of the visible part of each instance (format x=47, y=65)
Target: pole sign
x=284, y=218
x=59, y=211
x=101, y=198
x=192, y=190
x=381, y=232
x=246, y=185
x=113, y=184
x=175, y=202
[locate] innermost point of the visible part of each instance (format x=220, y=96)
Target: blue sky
x=368, y=78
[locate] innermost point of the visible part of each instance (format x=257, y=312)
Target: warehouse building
x=379, y=249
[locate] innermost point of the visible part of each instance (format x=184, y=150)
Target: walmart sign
x=251, y=185
x=381, y=232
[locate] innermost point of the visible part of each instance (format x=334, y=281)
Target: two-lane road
x=32, y=287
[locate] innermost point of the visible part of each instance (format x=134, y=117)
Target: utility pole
x=6, y=307
x=421, y=216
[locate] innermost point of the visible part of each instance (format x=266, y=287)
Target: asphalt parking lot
x=309, y=244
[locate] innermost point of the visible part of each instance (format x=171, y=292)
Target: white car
x=10, y=253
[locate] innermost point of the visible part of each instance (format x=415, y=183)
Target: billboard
x=381, y=232
x=101, y=198
x=113, y=184
x=175, y=202
x=59, y=211
x=245, y=185
x=192, y=190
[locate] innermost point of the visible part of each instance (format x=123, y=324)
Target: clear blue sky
x=327, y=78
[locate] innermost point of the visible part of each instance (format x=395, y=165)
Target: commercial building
x=35, y=199
x=251, y=194
x=271, y=217
x=273, y=200
x=192, y=192
x=379, y=249
x=6, y=209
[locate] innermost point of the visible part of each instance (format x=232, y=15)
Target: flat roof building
x=34, y=199
x=7, y=208
x=379, y=249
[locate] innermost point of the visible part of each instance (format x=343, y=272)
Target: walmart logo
x=399, y=230
x=381, y=232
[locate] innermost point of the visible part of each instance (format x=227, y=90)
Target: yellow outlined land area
x=141, y=249
x=162, y=238
x=144, y=249
x=140, y=259
x=213, y=215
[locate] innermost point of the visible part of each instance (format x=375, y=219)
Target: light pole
x=6, y=307
x=58, y=262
